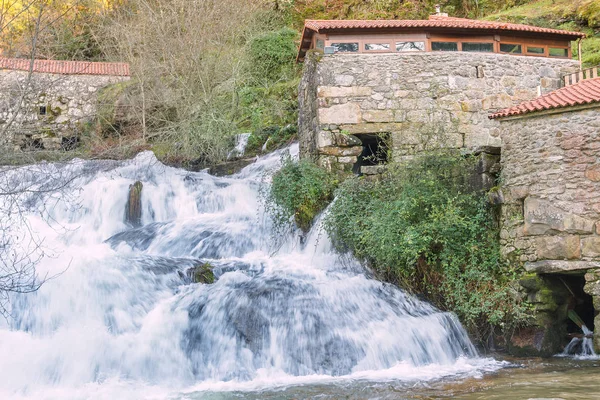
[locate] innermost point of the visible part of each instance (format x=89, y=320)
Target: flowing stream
x=119, y=317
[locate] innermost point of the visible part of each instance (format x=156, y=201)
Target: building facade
x=45, y=104
x=355, y=106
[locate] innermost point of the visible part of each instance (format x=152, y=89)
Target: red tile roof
x=434, y=21
x=66, y=67
x=582, y=93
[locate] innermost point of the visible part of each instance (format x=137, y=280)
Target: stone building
x=409, y=85
x=551, y=206
x=45, y=104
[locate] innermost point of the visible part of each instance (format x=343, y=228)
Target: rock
x=558, y=247
x=555, y=266
x=590, y=246
x=541, y=217
x=201, y=274
x=133, y=208
x=341, y=151
x=495, y=196
x=593, y=173
x=348, y=113
x=344, y=91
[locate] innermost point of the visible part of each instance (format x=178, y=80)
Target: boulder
x=133, y=208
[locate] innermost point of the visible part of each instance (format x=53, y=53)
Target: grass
x=574, y=15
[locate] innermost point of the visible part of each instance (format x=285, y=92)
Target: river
x=119, y=318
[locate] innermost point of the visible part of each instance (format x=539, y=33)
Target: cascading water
x=581, y=347
x=121, y=319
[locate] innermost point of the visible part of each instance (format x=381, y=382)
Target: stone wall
x=53, y=110
x=551, y=194
x=420, y=100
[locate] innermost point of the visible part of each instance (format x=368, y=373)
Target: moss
x=203, y=274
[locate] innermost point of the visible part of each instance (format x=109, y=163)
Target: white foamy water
x=120, y=319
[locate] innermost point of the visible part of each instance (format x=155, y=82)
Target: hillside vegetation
x=203, y=71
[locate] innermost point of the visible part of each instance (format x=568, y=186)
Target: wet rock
x=138, y=238
x=133, y=208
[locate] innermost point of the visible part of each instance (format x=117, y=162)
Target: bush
x=424, y=228
x=301, y=190
x=273, y=54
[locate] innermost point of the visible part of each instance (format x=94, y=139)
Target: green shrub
x=424, y=228
x=272, y=54
x=301, y=190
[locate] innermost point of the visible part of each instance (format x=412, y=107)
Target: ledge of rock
x=560, y=267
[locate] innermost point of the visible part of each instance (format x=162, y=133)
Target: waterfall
x=580, y=347
x=121, y=318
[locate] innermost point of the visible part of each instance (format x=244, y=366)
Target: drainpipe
x=579, y=54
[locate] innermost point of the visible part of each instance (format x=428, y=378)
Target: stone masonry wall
x=69, y=100
x=421, y=100
x=551, y=203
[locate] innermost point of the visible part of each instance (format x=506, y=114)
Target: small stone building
x=551, y=207
x=392, y=88
x=45, y=104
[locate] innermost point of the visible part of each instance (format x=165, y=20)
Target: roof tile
x=434, y=21
x=585, y=92
x=66, y=67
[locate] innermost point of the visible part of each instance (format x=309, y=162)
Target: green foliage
x=268, y=105
x=300, y=189
x=273, y=54
x=424, y=228
x=274, y=136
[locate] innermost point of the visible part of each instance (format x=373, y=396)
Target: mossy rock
x=202, y=274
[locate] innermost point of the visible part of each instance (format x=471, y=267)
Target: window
x=480, y=47
x=410, y=46
x=535, y=50
x=510, y=48
x=320, y=44
x=43, y=110
x=377, y=46
x=553, y=52
x=444, y=46
x=345, y=47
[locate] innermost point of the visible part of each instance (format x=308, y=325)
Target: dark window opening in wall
x=43, y=110
x=444, y=46
x=567, y=290
x=377, y=46
x=69, y=143
x=535, y=50
x=410, y=46
x=320, y=44
x=553, y=52
x=478, y=47
x=345, y=47
x=375, y=151
x=510, y=48
x=29, y=143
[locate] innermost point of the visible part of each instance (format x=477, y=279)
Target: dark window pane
x=481, y=47
x=410, y=46
x=510, y=48
x=320, y=44
x=345, y=47
x=377, y=46
x=535, y=50
x=558, y=52
x=444, y=46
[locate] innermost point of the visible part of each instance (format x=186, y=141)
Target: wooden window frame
x=424, y=41
x=511, y=44
x=559, y=48
x=366, y=42
x=477, y=42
